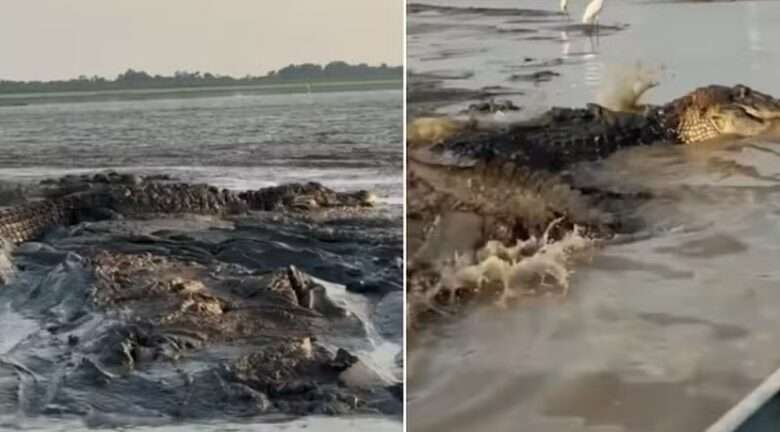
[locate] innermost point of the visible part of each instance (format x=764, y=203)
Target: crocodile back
x=29, y=220
x=560, y=138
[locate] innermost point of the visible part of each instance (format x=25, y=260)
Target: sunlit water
x=347, y=141
x=660, y=334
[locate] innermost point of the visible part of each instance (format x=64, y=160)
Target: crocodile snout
x=756, y=104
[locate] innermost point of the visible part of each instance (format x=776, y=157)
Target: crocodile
x=474, y=190
x=150, y=317
x=74, y=199
x=564, y=136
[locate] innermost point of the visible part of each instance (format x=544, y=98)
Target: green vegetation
x=337, y=71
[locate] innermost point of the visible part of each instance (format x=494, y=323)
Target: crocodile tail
x=30, y=220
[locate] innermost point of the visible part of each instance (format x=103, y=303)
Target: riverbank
x=22, y=99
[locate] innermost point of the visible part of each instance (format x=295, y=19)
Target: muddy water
x=732, y=42
x=661, y=333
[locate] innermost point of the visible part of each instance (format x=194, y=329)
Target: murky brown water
x=659, y=334
x=697, y=42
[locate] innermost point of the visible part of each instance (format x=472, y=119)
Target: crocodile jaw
x=739, y=121
x=757, y=104
x=751, y=112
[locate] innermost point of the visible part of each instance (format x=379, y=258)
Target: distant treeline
x=133, y=79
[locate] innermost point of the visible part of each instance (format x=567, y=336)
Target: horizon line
x=389, y=66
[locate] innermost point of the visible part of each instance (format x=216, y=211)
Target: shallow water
x=659, y=334
x=349, y=140
x=697, y=43
x=325, y=424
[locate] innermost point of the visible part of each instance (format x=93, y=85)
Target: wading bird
x=592, y=12
x=565, y=6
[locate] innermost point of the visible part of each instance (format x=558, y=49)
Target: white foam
x=523, y=268
x=382, y=352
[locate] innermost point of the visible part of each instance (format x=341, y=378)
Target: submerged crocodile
x=74, y=199
x=166, y=321
x=563, y=136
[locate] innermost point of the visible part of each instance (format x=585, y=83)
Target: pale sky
x=59, y=39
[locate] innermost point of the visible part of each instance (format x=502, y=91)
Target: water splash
x=530, y=267
x=625, y=84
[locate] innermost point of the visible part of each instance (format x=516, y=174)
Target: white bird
x=565, y=6
x=592, y=12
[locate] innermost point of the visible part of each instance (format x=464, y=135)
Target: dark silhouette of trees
x=136, y=79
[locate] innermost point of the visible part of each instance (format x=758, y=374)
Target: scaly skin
x=560, y=137
x=709, y=112
x=28, y=221
x=563, y=136
x=139, y=197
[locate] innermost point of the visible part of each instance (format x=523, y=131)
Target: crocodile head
x=365, y=198
x=328, y=198
x=717, y=111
